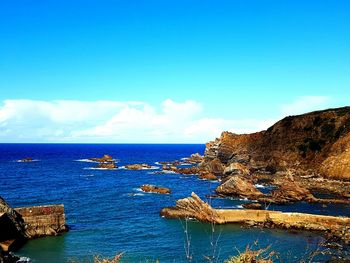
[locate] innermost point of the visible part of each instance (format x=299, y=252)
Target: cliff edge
x=313, y=143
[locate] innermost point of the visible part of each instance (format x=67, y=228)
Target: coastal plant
x=187, y=241
x=253, y=256
x=115, y=259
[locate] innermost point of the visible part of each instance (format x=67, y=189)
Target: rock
x=155, y=189
x=214, y=166
x=195, y=158
x=236, y=168
x=12, y=225
x=254, y=206
x=138, y=166
x=239, y=186
x=105, y=158
x=107, y=165
x=207, y=176
x=192, y=207
x=26, y=160
x=291, y=191
x=187, y=170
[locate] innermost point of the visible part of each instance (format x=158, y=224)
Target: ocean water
x=108, y=214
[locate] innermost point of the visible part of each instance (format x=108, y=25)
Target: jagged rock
x=187, y=170
x=195, y=158
x=236, y=168
x=192, y=207
x=254, y=206
x=207, y=176
x=155, y=189
x=239, y=186
x=103, y=159
x=12, y=225
x=291, y=191
x=214, y=166
x=107, y=165
x=138, y=166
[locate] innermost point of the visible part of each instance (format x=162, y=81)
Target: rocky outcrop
x=12, y=225
x=107, y=165
x=192, y=207
x=214, y=166
x=155, y=189
x=317, y=142
x=238, y=186
x=138, y=166
x=103, y=159
x=105, y=162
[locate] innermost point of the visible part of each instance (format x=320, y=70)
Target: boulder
x=155, y=189
x=207, y=176
x=238, y=186
x=214, y=166
x=236, y=168
x=138, y=166
x=291, y=191
x=195, y=158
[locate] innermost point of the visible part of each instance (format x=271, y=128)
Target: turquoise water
x=107, y=213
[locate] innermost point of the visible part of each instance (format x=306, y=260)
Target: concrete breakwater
x=194, y=207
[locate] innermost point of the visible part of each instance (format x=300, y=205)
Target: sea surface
x=107, y=213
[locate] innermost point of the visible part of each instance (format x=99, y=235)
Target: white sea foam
x=91, y=161
x=22, y=161
x=184, y=159
x=97, y=168
x=87, y=175
x=185, y=164
x=260, y=186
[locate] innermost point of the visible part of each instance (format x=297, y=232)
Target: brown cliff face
x=316, y=142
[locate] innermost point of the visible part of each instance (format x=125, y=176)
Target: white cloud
x=304, y=104
x=113, y=121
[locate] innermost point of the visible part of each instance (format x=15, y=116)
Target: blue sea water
x=107, y=212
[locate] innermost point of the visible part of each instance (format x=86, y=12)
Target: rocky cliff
x=312, y=143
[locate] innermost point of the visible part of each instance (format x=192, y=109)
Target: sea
x=107, y=213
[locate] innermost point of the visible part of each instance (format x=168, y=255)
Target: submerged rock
x=155, y=189
x=239, y=186
x=254, y=206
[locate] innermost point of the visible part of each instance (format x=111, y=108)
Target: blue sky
x=237, y=65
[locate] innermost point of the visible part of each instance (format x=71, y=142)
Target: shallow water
x=108, y=214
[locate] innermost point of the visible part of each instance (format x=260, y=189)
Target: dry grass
x=116, y=259
x=252, y=256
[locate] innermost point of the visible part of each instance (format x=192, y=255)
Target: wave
x=91, y=161
x=96, y=168
x=260, y=186
x=87, y=175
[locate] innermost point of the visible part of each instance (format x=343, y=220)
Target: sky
x=178, y=71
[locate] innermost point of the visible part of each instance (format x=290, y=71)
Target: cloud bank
x=126, y=121
x=114, y=121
